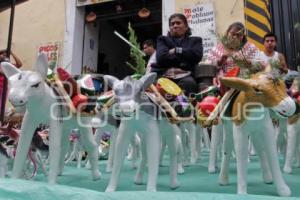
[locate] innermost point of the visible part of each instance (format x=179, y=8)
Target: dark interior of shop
x=114, y=16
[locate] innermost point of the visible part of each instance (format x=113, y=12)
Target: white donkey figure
x=128, y=99
x=250, y=113
x=293, y=143
x=29, y=91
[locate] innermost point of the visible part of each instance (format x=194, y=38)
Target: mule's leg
x=3, y=165
x=251, y=148
x=216, y=134
x=199, y=135
x=241, y=148
x=79, y=157
x=163, y=148
x=141, y=168
x=110, y=159
x=55, y=147
x=88, y=141
x=281, y=137
x=180, y=169
x=153, y=148
x=135, y=149
x=226, y=152
x=192, y=133
x=121, y=145
x=27, y=129
x=259, y=147
x=291, y=148
x=206, y=138
x=270, y=146
x=298, y=152
x=64, y=148
x=185, y=144
x=171, y=142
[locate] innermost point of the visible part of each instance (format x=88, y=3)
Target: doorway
x=113, y=53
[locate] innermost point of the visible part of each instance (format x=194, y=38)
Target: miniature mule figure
x=250, y=114
x=128, y=95
x=29, y=91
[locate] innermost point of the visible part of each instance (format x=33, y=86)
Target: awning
x=89, y=2
x=5, y=4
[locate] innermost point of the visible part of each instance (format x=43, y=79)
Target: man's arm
x=283, y=66
x=18, y=62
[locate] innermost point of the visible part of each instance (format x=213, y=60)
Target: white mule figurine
x=29, y=91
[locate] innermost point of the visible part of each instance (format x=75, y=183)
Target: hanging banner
x=89, y=2
x=202, y=21
x=52, y=50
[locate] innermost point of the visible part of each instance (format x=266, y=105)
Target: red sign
x=52, y=51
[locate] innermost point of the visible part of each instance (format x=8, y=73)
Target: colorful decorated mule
x=249, y=115
x=29, y=92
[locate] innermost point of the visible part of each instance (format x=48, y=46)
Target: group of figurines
x=247, y=104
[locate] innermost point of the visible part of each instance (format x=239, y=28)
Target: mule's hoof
x=212, y=170
x=193, y=161
x=174, y=185
x=161, y=164
x=268, y=180
x=284, y=191
x=180, y=170
x=51, y=181
x=138, y=180
x=110, y=189
x=223, y=181
x=96, y=176
x=242, y=192
x=151, y=189
x=186, y=164
x=108, y=169
x=287, y=169
x=88, y=166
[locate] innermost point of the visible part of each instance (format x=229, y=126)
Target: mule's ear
x=147, y=80
x=9, y=69
x=110, y=80
x=236, y=83
x=42, y=64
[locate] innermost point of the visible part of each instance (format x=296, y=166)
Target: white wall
x=168, y=8
x=91, y=42
x=73, y=41
x=36, y=22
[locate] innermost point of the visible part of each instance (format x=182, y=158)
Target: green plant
x=135, y=53
x=233, y=44
x=230, y=43
x=297, y=26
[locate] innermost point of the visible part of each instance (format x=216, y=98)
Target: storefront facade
x=60, y=28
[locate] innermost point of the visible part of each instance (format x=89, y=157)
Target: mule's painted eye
x=36, y=85
x=256, y=90
x=20, y=77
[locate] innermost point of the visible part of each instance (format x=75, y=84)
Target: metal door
x=285, y=14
